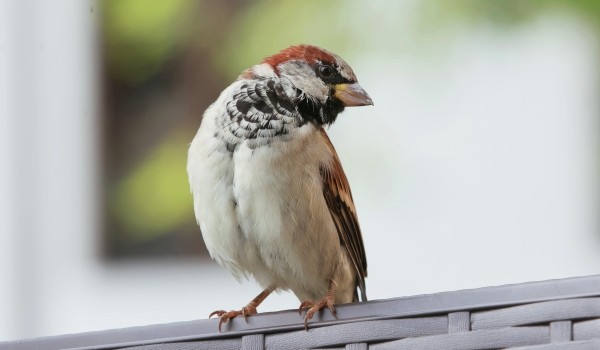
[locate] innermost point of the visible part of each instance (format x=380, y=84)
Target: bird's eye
x=325, y=71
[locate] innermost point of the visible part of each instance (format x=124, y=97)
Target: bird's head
x=321, y=82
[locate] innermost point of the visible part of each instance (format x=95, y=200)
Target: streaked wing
x=336, y=191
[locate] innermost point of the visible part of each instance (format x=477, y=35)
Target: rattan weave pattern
x=546, y=323
x=558, y=314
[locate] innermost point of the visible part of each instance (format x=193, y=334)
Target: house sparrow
x=270, y=195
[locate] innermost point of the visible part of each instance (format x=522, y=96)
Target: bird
x=270, y=195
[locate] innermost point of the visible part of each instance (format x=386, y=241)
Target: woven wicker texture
x=551, y=324
x=561, y=314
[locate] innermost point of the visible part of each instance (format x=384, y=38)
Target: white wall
x=50, y=164
x=479, y=163
x=477, y=166
x=7, y=219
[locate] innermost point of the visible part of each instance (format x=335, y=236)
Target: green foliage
x=141, y=35
x=155, y=198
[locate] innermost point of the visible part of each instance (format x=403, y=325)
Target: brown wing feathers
x=336, y=191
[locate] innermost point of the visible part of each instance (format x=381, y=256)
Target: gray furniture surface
x=548, y=315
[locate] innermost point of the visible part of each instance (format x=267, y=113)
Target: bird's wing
x=336, y=191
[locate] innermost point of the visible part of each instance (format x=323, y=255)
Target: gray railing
x=556, y=314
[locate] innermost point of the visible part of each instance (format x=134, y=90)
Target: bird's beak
x=352, y=95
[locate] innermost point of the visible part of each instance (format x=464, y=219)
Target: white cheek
x=314, y=88
x=288, y=87
x=304, y=79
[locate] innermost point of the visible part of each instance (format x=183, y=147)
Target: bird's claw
x=313, y=307
x=218, y=313
x=225, y=316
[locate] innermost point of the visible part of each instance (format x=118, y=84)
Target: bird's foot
x=312, y=307
x=228, y=315
x=246, y=311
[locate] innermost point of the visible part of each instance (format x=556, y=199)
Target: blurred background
x=478, y=165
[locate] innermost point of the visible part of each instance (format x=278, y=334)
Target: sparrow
x=270, y=195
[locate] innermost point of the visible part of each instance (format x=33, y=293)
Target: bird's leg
x=247, y=310
x=312, y=306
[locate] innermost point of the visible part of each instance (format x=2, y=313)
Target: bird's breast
x=281, y=210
